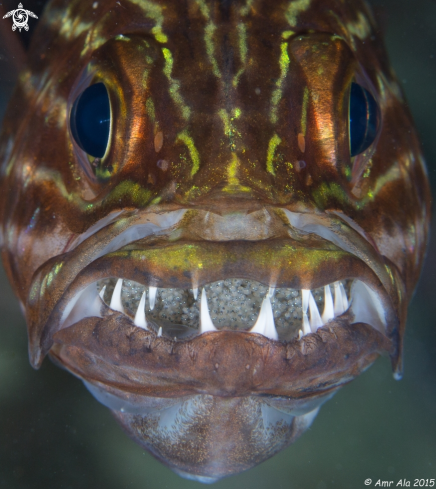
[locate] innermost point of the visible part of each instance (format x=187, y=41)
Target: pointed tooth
x=206, y=323
x=300, y=334
x=116, y=304
x=271, y=291
x=339, y=303
x=306, y=325
x=305, y=299
x=87, y=303
x=329, y=312
x=315, y=318
x=140, y=319
x=101, y=294
x=195, y=292
x=152, y=297
x=159, y=333
x=344, y=296
x=265, y=321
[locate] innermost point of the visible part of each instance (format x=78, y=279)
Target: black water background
x=54, y=435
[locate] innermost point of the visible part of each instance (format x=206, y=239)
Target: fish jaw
x=239, y=421
x=229, y=380
x=137, y=248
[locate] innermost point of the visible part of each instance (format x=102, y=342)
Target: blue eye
x=90, y=120
x=364, y=119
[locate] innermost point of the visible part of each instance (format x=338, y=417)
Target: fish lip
x=223, y=363
x=41, y=335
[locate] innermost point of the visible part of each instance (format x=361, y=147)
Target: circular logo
x=20, y=18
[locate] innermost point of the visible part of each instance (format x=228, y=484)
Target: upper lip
x=345, y=253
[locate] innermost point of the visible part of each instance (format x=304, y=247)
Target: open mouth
x=145, y=276
x=282, y=314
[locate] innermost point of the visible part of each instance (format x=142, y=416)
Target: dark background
x=53, y=434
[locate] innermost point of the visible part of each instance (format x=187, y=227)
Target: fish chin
x=203, y=348
x=191, y=435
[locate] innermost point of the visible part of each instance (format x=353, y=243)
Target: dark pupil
x=364, y=119
x=90, y=120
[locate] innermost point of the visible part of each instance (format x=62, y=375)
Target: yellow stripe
x=195, y=156
x=273, y=143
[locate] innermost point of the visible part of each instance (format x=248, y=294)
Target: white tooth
x=159, y=333
x=152, y=296
x=315, y=318
x=195, y=292
x=265, y=321
x=329, y=312
x=206, y=323
x=305, y=296
x=344, y=297
x=271, y=291
x=339, y=303
x=86, y=303
x=306, y=325
x=300, y=334
x=367, y=306
x=140, y=319
x=116, y=304
x=101, y=294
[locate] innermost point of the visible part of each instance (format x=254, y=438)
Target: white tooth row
x=265, y=321
x=331, y=309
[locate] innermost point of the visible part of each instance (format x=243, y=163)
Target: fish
x=214, y=213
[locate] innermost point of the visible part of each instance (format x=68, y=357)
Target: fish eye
x=90, y=120
x=364, y=117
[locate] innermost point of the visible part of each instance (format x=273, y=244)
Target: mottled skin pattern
x=214, y=105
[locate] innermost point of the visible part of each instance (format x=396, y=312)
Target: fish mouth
x=145, y=306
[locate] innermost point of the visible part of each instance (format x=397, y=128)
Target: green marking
x=229, y=128
x=210, y=48
x=130, y=191
x=174, y=84
x=287, y=34
x=145, y=79
x=242, y=34
x=195, y=156
x=393, y=174
x=304, y=111
x=243, y=51
x=277, y=94
x=272, y=146
x=246, y=8
x=360, y=28
x=327, y=191
x=232, y=177
x=226, y=121
x=156, y=201
x=154, y=12
x=208, y=37
x=294, y=10
x=149, y=105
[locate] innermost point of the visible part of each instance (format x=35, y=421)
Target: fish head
x=213, y=213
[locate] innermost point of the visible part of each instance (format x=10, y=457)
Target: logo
x=20, y=17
